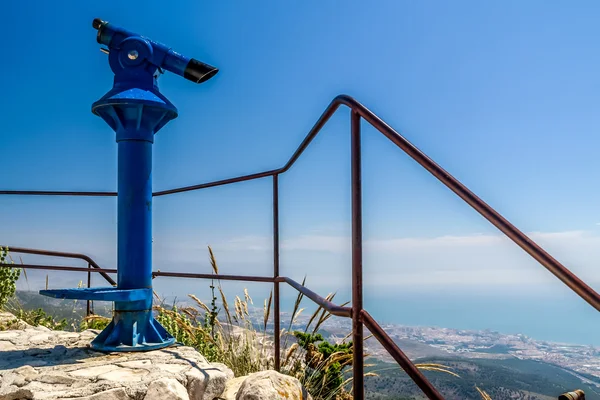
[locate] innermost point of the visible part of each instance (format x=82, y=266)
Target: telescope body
x=157, y=54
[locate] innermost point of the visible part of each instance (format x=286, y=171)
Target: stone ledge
x=43, y=364
x=39, y=364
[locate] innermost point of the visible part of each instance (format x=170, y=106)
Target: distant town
x=419, y=342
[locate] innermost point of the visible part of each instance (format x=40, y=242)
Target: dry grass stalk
x=483, y=394
x=199, y=302
x=267, y=311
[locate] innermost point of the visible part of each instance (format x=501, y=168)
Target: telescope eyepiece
x=97, y=23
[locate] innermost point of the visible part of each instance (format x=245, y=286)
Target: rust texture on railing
x=357, y=248
x=401, y=358
x=321, y=301
x=276, y=305
x=57, y=193
x=356, y=312
x=91, y=263
x=61, y=254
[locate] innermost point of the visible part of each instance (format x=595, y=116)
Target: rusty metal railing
x=91, y=265
x=359, y=316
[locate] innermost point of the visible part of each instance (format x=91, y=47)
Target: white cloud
x=247, y=243
x=468, y=260
x=338, y=244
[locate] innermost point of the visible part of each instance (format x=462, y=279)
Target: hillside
x=510, y=379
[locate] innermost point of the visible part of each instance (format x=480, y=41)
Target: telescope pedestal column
x=137, y=116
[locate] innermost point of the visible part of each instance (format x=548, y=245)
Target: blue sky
x=504, y=96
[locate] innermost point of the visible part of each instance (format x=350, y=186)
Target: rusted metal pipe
x=244, y=278
x=59, y=268
x=56, y=193
x=217, y=183
x=326, y=304
x=88, y=310
x=277, y=304
x=188, y=275
x=522, y=240
x=413, y=372
x=61, y=254
x=358, y=380
x=330, y=307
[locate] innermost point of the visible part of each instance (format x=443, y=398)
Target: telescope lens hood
x=198, y=72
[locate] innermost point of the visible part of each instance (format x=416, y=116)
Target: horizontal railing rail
x=91, y=265
x=329, y=306
x=358, y=315
x=61, y=254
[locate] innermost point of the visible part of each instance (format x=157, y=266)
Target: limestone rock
x=9, y=321
x=27, y=372
x=44, y=365
x=232, y=387
x=12, y=392
x=41, y=364
x=166, y=389
x=224, y=369
x=111, y=394
x=124, y=375
x=271, y=385
x=56, y=378
x=206, y=384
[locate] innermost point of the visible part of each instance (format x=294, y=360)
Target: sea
x=555, y=320
x=555, y=315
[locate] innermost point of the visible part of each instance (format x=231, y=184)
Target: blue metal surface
x=132, y=331
x=103, y=294
x=159, y=55
x=136, y=110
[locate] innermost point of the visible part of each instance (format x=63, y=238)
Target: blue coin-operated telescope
x=135, y=110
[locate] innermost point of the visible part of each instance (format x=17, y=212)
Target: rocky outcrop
x=9, y=321
x=40, y=364
x=265, y=385
x=166, y=388
x=232, y=388
x=36, y=363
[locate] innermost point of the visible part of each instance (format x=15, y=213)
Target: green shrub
x=8, y=278
x=97, y=322
x=325, y=364
x=39, y=317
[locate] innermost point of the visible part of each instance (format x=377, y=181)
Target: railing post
x=276, y=305
x=357, y=295
x=89, y=284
